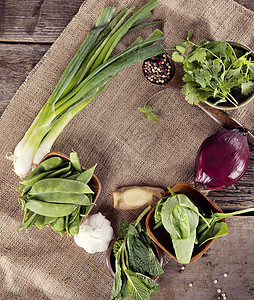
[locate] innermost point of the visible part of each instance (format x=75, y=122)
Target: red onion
x=222, y=159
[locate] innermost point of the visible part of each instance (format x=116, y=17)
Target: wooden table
x=27, y=30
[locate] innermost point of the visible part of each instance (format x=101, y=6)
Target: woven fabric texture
x=111, y=132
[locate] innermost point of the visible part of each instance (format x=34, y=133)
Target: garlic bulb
x=95, y=233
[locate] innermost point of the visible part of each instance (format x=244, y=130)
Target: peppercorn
x=158, y=69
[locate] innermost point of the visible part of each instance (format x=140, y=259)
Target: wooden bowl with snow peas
x=162, y=237
x=59, y=192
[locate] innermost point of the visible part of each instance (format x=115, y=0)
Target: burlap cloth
x=112, y=132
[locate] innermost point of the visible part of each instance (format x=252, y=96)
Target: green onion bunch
x=88, y=73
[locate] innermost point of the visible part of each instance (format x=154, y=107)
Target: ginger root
x=134, y=197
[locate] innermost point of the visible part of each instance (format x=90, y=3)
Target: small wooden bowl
x=162, y=238
x=94, y=181
x=110, y=258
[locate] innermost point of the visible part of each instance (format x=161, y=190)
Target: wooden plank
x=38, y=21
x=41, y=21
x=239, y=195
x=247, y=3
x=16, y=61
x=232, y=254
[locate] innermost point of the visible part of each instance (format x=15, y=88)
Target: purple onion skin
x=222, y=159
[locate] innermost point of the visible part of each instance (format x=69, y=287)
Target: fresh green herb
x=135, y=262
x=214, y=70
x=188, y=225
x=147, y=110
x=88, y=73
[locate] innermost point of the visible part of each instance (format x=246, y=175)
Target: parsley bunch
x=214, y=71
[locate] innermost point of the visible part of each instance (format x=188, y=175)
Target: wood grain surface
x=27, y=30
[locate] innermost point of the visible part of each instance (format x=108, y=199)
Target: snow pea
x=73, y=175
x=74, y=214
x=48, y=164
x=35, y=178
x=65, y=169
x=49, y=220
x=50, y=209
x=39, y=222
x=58, y=225
x=75, y=161
x=74, y=225
x=29, y=221
x=66, y=221
x=50, y=185
x=86, y=176
x=60, y=197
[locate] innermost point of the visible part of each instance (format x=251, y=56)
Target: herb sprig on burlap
x=135, y=261
x=213, y=69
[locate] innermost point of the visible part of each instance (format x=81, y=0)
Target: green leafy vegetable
x=188, y=225
x=213, y=70
x=135, y=262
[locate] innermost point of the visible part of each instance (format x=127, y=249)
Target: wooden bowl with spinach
x=192, y=220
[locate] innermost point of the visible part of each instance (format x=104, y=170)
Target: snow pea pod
x=75, y=161
x=60, y=197
x=49, y=220
x=74, y=175
x=29, y=222
x=59, y=224
x=47, y=165
x=74, y=226
x=35, y=178
x=50, y=209
x=39, y=222
x=50, y=185
x=86, y=176
x=65, y=169
x=74, y=214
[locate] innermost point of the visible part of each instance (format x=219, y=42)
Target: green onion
x=88, y=73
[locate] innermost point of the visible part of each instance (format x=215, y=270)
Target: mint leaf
x=190, y=93
x=177, y=57
x=123, y=229
x=140, y=286
x=247, y=87
x=153, y=265
x=147, y=110
x=137, y=254
x=117, y=285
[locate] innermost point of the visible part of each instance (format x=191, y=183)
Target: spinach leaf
x=176, y=224
x=217, y=229
x=184, y=247
x=157, y=212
